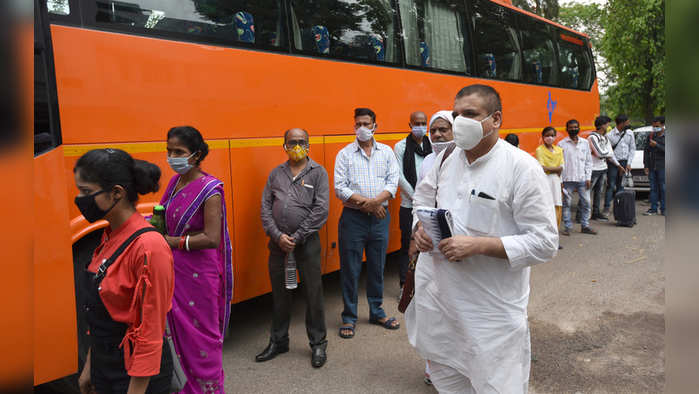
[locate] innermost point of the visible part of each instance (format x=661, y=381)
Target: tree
x=634, y=46
x=547, y=8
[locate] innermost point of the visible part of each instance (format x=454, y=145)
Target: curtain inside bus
x=434, y=30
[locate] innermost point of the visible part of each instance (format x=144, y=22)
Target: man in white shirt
x=410, y=153
x=366, y=177
x=624, y=147
x=602, y=153
x=469, y=312
x=576, y=177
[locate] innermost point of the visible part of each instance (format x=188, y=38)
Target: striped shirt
x=368, y=176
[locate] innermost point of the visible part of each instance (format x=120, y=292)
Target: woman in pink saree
x=195, y=216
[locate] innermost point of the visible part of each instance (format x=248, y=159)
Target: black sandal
x=346, y=328
x=387, y=324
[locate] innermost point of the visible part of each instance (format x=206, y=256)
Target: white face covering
x=657, y=129
x=469, y=132
x=419, y=131
x=364, y=134
x=438, y=147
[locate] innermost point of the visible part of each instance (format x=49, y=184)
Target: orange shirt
x=144, y=339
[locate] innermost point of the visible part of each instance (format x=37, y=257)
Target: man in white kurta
x=469, y=313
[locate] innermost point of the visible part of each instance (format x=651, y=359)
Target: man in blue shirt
x=366, y=177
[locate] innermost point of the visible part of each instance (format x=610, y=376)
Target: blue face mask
x=419, y=131
x=180, y=164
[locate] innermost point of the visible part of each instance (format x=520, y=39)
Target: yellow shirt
x=548, y=158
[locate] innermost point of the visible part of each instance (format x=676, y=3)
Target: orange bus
x=120, y=73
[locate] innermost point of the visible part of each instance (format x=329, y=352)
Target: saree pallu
x=203, y=286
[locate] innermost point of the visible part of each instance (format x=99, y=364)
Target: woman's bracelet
x=186, y=243
x=181, y=244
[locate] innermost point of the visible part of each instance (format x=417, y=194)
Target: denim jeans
x=359, y=232
x=657, y=189
x=584, y=203
x=596, y=188
x=613, y=183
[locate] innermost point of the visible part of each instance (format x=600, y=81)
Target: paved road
x=596, y=313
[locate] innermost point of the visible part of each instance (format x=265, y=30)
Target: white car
x=640, y=179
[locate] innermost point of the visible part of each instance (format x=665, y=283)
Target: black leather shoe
x=318, y=357
x=271, y=351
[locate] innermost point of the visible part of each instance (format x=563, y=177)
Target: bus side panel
x=331, y=149
x=250, y=168
x=55, y=337
x=393, y=204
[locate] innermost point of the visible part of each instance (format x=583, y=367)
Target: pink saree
x=203, y=286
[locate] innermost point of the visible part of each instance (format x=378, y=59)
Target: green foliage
x=547, y=8
x=634, y=46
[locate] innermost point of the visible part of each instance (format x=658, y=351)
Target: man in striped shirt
x=366, y=177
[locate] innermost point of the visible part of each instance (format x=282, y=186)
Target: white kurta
x=472, y=315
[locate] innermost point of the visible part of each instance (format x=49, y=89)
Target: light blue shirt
x=406, y=189
x=368, y=176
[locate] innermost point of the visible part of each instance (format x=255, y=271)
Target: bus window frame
x=552, y=32
x=468, y=28
x=587, y=51
x=89, y=7
x=72, y=19
x=512, y=14
x=49, y=69
x=400, y=63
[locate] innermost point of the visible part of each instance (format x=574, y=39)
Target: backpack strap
x=102, y=271
x=447, y=152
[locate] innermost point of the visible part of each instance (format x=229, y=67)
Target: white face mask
x=438, y=147
x=180, y=164
x=469, y=132
x=419, y=131
x=549, y=139
x=657, y=129
x=364, y=134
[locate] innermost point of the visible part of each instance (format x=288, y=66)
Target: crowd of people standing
x=468, y=313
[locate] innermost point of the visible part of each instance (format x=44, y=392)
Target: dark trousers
x=613, y=183
x=108, y=375
x=657, y=189
x=359, y=232
x=406, y=231
x=596, y=188
x=307, y=256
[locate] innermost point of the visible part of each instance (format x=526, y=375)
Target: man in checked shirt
x=366, y=177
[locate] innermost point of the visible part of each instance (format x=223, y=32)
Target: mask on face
x=180, y=164
x=297, y=153
x=419, y=131
x=438, y=147
x=89, y=208
x=469, y=132
x=609, y=128
x=364, y=134
x=573, y=133
x=549, y=139
x=657, y=129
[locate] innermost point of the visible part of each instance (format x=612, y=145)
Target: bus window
x=574, y=61
x=538, y=56
x=58, y=7
x=435, y=35
x=256, y=23
x=346, y=29
x=497, y=46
